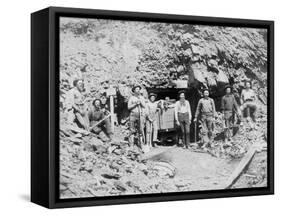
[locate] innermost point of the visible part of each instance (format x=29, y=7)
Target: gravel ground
x=256, y=174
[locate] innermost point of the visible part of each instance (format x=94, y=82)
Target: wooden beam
x=112, y=112
x=241, y=167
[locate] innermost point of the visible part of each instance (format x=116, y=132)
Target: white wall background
x=15, y=106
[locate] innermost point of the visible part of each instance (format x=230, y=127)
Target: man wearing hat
x=76, y=103
x=183, y=117
x=104, y=102
x=136, y=106
x=248, y=103
x=98, y=119
x=151, y=120
x=207, y=111
x=229, y=106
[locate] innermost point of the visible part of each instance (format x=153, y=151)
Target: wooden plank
x=241, y=167
x=181, y=83
x=112, y=112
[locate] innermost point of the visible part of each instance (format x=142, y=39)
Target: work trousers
x=82, y=118
x=207, y=120
x=228, y=123
x=136, y=126
x=151, y=131
x=105, y=125
x=249, y=109
x=184, y=121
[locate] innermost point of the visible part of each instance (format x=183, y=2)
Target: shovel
x=195, y=131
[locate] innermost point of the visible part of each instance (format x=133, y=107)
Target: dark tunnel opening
x=193, y=95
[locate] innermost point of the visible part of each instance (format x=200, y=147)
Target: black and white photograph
x=140, y=108
x=158, y=107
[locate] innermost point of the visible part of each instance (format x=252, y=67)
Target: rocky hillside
x=123, y=53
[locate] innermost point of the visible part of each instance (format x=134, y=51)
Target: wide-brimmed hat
x=247, y=81
x=228, y=86
x=75, y=81
x=97, y=99
x=136, y=86
x=182, y=91
x=206, y=89
x=152, y=94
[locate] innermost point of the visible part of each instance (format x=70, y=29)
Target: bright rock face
x=123, y=53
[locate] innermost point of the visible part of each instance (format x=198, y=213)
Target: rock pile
x=244, y=137
x=90, y=167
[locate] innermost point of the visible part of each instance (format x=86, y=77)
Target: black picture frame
x=45, y=100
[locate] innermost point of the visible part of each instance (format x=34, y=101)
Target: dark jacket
x=228, y=103
x=205, y=106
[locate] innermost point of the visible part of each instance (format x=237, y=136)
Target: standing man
x=136, y=106
x=151, y=120
x=99, y=121
x=206, y=109
x=104, y=102
x=248, y=103
x=183, y=117
x=77, y=103
x=229, y=107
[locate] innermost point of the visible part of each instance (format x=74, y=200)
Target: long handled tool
x=147, y=143
x=100, y=121
x=150, y=135
x=239, y=116
x=195, y=131
x=140, y=129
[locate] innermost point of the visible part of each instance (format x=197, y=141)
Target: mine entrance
x=192, y=95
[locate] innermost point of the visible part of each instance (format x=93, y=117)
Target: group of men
x=144, y=114
x=95, y=118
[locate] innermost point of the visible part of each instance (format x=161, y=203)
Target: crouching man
x=207, y=111
x=99, y=121
x=77, y=104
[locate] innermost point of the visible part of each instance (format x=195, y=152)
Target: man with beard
x=229, y=107
x=77, y=103
x=98, y=119
x=151, y=120
x=136, y=106
x=104, y=102
x=183, y=117
x=207, y=111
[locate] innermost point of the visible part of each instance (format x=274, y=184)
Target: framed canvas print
x=139, y=107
